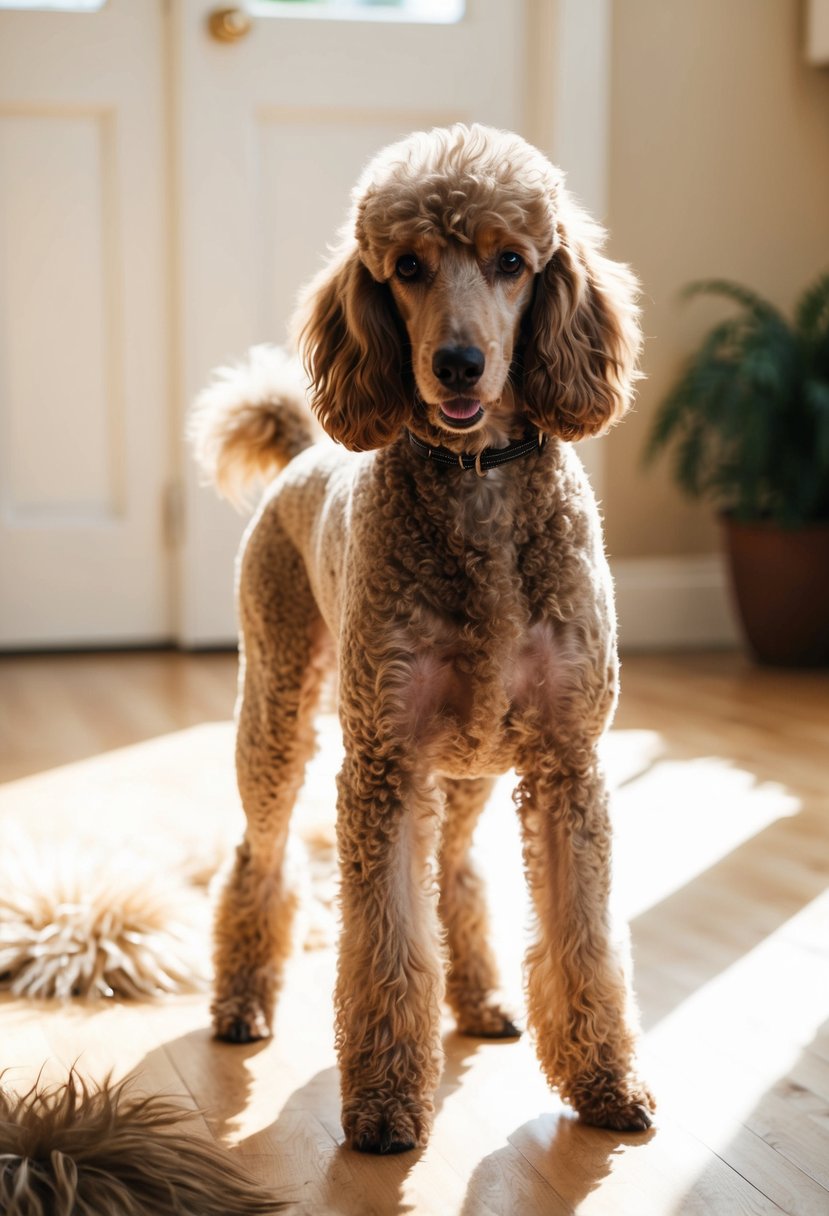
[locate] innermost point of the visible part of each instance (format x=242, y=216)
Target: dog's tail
x=250, y=421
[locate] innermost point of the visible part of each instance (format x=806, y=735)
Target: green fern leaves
x=748, y=417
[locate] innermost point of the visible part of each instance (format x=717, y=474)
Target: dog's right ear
x=352, y=347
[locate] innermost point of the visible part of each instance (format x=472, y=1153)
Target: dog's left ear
x=583, y=336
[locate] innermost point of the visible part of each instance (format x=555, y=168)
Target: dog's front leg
x=580, y=1004
x=390, y=973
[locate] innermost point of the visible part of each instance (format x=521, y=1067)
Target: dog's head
x=469, y=298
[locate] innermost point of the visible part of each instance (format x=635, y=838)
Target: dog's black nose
x=458, y=366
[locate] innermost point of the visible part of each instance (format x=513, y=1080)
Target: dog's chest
x=466, y=707
x=450, y=676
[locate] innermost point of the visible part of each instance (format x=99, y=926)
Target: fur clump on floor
x=78, y=1149
x=76, y=920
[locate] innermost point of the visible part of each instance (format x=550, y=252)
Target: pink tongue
x=460, y=407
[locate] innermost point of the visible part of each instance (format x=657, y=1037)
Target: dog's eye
x=510, y=263
x=407, y=267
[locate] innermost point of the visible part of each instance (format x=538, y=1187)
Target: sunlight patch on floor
x=718, y=1052
x=178, y=786
x=678, y=818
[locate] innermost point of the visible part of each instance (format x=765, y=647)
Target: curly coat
x=472, y=617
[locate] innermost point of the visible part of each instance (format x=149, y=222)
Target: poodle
x=465, y=331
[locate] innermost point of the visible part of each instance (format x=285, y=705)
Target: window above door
x=435, y=12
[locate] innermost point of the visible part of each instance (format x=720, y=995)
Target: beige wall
x=719, y=166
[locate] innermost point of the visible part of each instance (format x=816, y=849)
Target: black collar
x=489, y=458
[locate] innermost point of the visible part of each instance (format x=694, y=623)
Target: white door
x=84, y=402
x=274, y=129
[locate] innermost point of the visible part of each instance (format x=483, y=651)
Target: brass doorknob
x=229, y=24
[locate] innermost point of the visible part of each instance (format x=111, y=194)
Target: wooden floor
x=722, y=861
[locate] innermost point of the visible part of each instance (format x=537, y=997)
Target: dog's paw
x=628, y=1110
x=232, y=1024
x=487, y=1022
x=390, y=1128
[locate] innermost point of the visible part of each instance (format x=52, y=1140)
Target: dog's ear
x=582, y=333
x=352, y=346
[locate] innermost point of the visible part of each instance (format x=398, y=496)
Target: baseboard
x=673, y=602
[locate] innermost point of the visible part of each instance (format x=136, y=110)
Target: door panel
x=55, y=215
x=84, y=390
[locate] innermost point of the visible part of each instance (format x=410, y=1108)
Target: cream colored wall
x=719, y=166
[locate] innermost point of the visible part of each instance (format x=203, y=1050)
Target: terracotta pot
x=780, y=579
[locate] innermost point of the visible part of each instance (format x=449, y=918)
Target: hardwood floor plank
x=784, y=1183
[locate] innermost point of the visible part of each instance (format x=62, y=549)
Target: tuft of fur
x=250, y=421
x=76, y=920
x=81, y=1149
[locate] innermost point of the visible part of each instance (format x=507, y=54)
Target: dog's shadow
x=306, y=1140
x=301, y=1154
x=567, y=1161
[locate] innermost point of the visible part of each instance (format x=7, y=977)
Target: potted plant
x=748, y=422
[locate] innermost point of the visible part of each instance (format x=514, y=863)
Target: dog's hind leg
x=472, y=977
x=283, y=652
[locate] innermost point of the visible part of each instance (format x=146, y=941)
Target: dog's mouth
x=460, y=413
